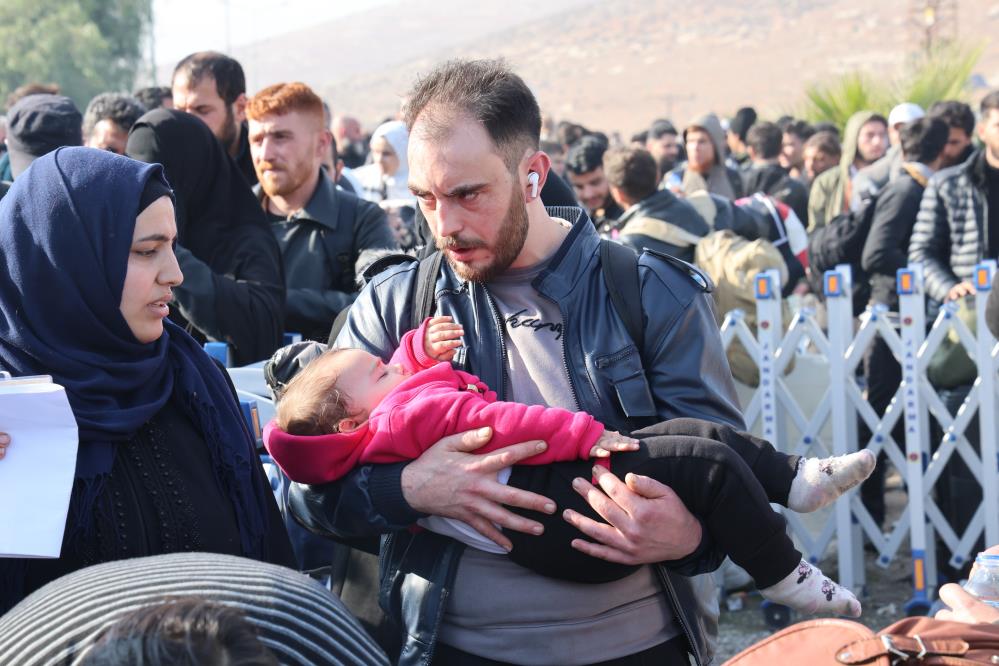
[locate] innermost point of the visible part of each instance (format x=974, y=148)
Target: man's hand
x=448, y=480
x=612, y=442
x=964, y=607
x=960, y=290
x=4, y=443
x=443, y=338
x=647, y=521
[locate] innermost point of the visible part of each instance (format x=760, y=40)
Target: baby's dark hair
x=311, y=403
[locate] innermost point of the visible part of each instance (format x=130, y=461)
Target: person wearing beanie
x=37, y=125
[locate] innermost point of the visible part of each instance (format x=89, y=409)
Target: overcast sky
x=184, y=26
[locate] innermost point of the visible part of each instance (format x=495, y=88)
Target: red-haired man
x=326, y=235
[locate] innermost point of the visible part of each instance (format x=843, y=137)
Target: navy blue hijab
x=66, y=229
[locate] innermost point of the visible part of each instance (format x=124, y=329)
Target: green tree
x=85, y=46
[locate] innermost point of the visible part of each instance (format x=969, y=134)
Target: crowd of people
x=502, y=295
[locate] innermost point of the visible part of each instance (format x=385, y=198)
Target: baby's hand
x=443, y=338
x=612, y=442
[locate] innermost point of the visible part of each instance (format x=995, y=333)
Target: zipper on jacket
x=565, y=353
x=671, y=593
x=500, y=331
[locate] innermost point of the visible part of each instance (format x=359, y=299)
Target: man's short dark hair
x=186, y=632
x=923, y=139
x=490, y=93
x=798, y=128
x=741, y=123
x=956, y=114
x=824, y=126
x=765, y=139
x=633, y=171
x=640, y=137
x=826, y=142
x=569, y=133
x=230, y=82
x=661, y=128
x=122, y=110
x=585, y=156
x=990, y=103
x=33, y=88
x=152, y=97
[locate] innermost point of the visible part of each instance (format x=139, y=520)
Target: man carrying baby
x=526, y=285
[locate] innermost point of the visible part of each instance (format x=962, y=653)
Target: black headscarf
x=222, y=225
x=213, y=200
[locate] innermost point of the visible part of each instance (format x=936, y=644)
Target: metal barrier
x=775, y=411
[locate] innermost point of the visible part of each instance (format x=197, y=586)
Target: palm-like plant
x=941, y=74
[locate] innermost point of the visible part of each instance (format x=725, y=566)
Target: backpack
x=841, y=241
x=912, y=641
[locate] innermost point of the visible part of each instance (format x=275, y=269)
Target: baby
x=348, y=408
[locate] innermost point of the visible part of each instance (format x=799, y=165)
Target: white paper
x=36, y=475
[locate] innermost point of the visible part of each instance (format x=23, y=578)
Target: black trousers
x=671, y=653
x=725, y=478
x=883, y=374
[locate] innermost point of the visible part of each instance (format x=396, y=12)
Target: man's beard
x=294, y=178
x=230, y=131
x=509, y=243
x=666, y=164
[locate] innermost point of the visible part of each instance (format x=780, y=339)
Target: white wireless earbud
x=533, y=179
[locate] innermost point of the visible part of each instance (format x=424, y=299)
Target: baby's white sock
x=820, y=481
x=808, y=590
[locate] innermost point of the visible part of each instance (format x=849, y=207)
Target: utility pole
x=935, y=22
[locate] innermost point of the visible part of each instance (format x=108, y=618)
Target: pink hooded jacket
x=434, y=402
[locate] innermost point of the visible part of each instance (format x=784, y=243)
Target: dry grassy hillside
x=612, y=65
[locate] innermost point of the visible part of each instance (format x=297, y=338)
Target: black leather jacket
x=686, y=374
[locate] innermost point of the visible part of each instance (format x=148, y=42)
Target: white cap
x=905, y=112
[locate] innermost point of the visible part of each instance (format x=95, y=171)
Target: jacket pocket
x=624, y=372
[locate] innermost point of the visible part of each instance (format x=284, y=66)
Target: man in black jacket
x=653, y=218
x=958, y=226
x=961, y=121
x=764, y=142
x=326, y=235
x=895, y=209
x=585, y=169
x=212, y=86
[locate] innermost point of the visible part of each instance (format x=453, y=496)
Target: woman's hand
x=443, y=338
x=4, y=443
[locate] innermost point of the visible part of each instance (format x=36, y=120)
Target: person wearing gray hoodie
x=865, y=141
x=705, y=168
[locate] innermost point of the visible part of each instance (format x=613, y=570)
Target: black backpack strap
x=424, y=295
x=620, y=268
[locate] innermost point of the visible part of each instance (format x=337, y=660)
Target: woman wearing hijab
x=165, y=461
x=385, y=179
x=233, y=287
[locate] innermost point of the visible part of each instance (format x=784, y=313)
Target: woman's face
x=383, y=155
x=152, y=271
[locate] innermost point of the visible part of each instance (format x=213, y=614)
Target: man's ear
x=239, y=108
x=541, y=164
x=348, y=425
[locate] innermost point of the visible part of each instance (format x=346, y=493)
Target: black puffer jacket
x=774, y=181
x=665, y=223
x=951, y=231
x=888, y=240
